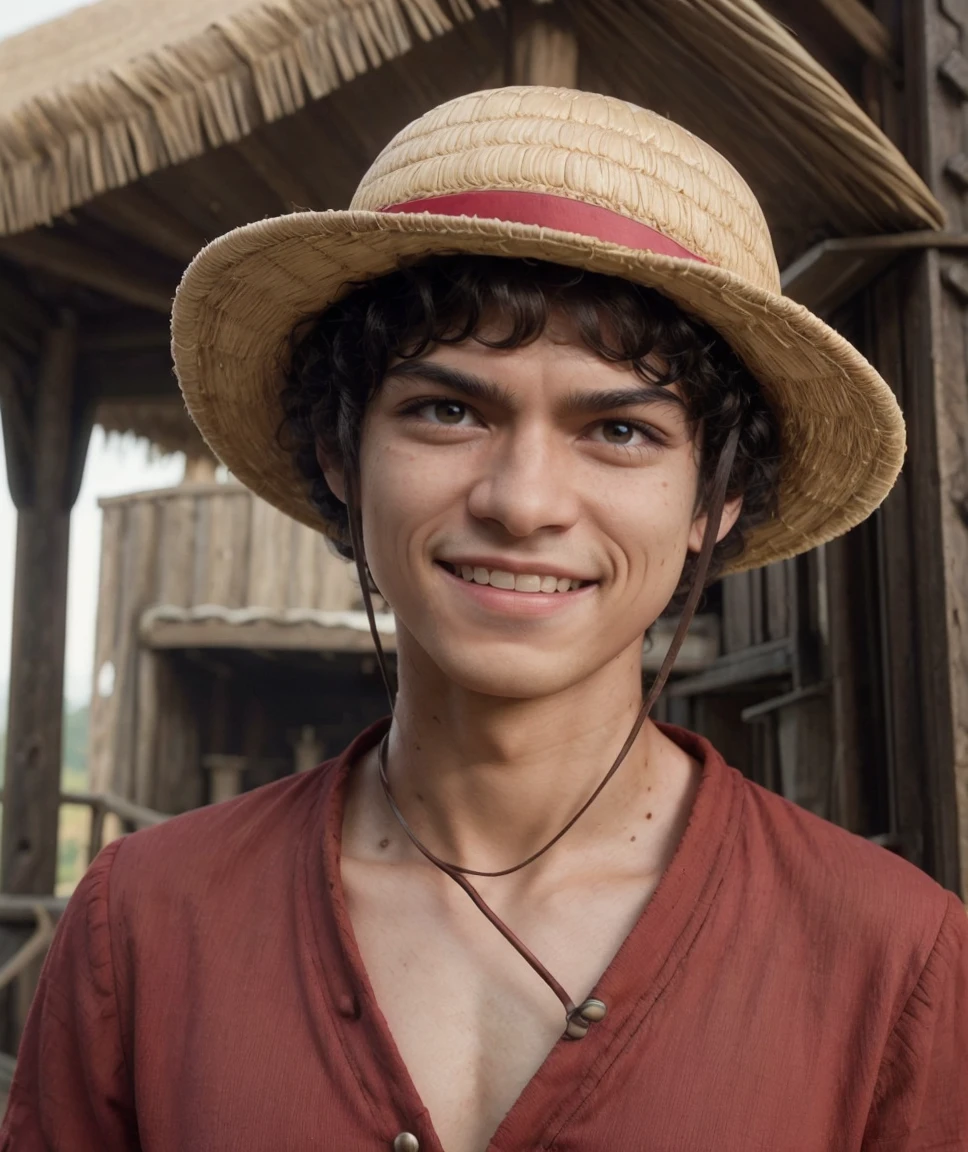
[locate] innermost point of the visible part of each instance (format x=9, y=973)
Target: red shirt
x=788, y=988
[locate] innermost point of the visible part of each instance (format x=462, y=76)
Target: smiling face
x=489, y=476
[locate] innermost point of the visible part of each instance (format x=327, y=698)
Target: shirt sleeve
x=72, y=1091
x=921, y=1098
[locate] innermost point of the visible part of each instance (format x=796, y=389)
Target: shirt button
x=586, y=1014
x=406, y=1142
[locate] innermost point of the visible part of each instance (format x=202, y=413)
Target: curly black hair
x=339, y=359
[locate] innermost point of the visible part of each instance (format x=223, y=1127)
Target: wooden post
x=936, y=406
x=44, y=476
x=199, y=469
x=307, y=749
x=225, y=776
x=542, y=49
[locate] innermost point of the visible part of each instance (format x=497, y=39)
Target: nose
x=526, y=484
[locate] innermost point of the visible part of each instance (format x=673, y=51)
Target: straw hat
x=569, y=177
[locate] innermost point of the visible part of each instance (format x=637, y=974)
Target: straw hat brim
x=841, y=429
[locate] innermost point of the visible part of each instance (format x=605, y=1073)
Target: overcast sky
x=114, y=465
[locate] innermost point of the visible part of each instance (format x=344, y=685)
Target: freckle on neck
x=384, y=843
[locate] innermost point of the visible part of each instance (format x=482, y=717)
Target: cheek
x=403, y=496
x=652, y=526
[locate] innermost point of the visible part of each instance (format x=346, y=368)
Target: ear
x=332, y=473
x=731, y=511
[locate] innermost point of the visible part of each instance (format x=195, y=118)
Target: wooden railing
x=102, y=804
x=45, y=910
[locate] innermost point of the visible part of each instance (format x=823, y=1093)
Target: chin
x=512, y=662
x=513, y=669
x=523, y=680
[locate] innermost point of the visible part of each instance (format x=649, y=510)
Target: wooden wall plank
x=305, y=573
x=228, y=551
x=100, y=745
x=777, y=601
x=138, y=591
x=270, y=546
x=757, y=606
x=737, y=609
x=177, y=555
x=146, y=727
x=178, y=773
x=200, y=557
x=338, y=589
x=240, y=513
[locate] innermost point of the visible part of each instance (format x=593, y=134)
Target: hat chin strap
x=577, y=1019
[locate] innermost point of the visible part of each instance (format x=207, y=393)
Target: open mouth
x=514, y=581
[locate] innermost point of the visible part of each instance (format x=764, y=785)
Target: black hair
x=339, y=359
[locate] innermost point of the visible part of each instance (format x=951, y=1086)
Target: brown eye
x=449, y=412
x=617, y=432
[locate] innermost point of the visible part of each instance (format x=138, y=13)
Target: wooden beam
x=542, y=48
x=28, y=857
x=132, y=332
x=79, y=264
x=860, y=23
x=831, y=272
x=264, y=637
x=18, y=434
x=134, y=373
x=273, y=170
x=23, y=318
x=136, y=212
x=934, y=354
x=737, y=670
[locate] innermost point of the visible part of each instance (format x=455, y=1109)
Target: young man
x=550, y=386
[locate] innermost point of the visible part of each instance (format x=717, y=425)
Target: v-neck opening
x=642, y=967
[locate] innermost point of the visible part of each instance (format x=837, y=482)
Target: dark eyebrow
x=474, y=387
x=591, y=403
x=575, y=403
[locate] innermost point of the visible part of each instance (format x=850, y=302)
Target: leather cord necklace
x=577, y=1018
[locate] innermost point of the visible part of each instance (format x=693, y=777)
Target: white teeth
x=527, y=582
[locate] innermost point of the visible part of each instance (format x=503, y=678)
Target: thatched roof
x=119, y=89
x=113, y=91
x=132, y=132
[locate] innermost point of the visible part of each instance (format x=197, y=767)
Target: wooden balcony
x=224, y=629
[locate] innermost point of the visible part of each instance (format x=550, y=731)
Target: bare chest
x=471, y=1021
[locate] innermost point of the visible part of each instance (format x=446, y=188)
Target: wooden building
x=130, y=134
x=233, y=648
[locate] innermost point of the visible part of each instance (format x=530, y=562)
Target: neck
x=486, y=781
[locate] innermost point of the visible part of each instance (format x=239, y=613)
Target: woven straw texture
x=843, y=435
x=122, y=88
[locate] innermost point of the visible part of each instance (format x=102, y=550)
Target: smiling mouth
x=514, y=582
